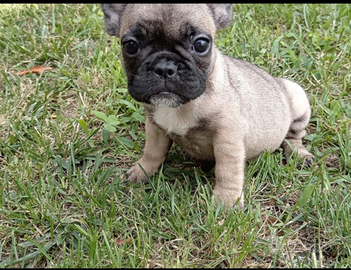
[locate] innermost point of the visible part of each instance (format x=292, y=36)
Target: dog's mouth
x=166, y=99
x=165, y=94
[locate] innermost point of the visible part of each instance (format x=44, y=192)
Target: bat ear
x=222, y=14
x=113, y=14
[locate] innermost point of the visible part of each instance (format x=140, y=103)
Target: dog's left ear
x=222, y=14
x=113, y=14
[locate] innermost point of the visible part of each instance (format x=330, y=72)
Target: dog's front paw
x=309, y=159
x=136, y=175
x=229, y=197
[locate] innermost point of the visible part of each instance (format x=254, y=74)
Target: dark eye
x=201, y=45
x=131, y=47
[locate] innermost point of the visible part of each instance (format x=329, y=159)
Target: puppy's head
x=166, y=48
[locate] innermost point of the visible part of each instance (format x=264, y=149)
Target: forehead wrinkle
x=162, y=19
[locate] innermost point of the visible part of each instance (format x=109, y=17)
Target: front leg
x=230, y=164
x=157, y=145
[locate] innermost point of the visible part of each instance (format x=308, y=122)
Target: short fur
x=216, y=107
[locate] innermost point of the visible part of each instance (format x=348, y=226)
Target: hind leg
x=294, y=143
x=301, y=112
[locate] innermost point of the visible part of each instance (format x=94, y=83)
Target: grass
x=68, y=135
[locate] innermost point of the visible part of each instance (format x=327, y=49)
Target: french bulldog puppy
x=216, y=107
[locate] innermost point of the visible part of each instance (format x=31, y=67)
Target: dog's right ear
x=222, y=14
x=113, y=14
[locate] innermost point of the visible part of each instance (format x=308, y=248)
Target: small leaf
x=138, y=117
x=100, y=115
x=126, y=102
x=36, y=69
x=82, y=231
x=306, y=194
x=128, y=143
x=109, y=127
x=105, y=135
x=113, y=120
x=120, y=242
x=275, y=46
x=84, y=125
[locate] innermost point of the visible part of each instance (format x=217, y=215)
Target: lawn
x=68, y=134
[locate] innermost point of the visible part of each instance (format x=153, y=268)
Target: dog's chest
x=188, y=129
x=174, y=120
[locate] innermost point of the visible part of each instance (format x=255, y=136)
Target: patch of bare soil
x=332, y=161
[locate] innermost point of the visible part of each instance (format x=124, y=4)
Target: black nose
x=165, y=68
